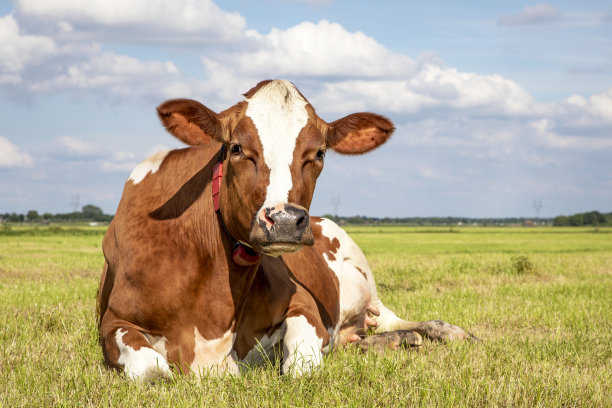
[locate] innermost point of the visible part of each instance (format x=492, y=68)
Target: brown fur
x=169, y=268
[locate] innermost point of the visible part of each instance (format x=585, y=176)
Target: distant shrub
x=522, y=265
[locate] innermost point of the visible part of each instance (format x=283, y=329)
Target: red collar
x=242, y=254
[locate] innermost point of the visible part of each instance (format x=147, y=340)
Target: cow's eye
x=321, y=154
x=235, y=149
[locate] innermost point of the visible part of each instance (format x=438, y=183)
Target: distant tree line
x=88, y=213
x=438, y=221
x=594, y=218
x=91, y=212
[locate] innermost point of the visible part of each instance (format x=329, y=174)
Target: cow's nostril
x=268, y=219
x=301, y=221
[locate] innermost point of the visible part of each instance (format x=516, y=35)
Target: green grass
x=540, y=300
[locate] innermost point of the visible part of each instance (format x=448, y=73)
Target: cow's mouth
x=280, y=248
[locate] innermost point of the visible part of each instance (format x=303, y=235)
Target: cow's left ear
x=191, y=122
x=359, y=133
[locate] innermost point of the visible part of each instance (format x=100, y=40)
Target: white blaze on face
x=278, y=112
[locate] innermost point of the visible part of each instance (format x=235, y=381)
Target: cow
x=212, y=261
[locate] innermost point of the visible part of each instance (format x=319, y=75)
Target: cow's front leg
x=140, y=357
x=301, y=346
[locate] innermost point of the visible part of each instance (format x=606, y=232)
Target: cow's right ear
x=191, y=122
x=358, y=133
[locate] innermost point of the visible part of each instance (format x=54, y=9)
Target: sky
x=498, y=104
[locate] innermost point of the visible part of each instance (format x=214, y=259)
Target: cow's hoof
x=442, y=331
x=393, y=340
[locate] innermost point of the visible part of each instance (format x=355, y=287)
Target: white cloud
x=18, y=51
x=355, y=72
x=433, y=86
x=76, y=146
x=536, y=14
x=119, y=163
x=154, y=21
x=32, y=65
x=581, y=111
x=75, y=149
x=12, y=156
x=157, y=148
x=338, y=70
x=119, y=76
x=545, y=132
x=68, y=146
x=314, y=50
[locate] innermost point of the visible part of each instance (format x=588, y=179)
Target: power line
x=74, y=203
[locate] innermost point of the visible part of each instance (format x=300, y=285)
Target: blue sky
x=496, y=103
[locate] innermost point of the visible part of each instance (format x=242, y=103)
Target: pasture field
x=540, y=300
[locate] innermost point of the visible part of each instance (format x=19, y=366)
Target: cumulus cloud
x=119, y=76
x=338, y=70
x=537, y=14
x=345, y=71
x=544, y=130
x=432, y=87
x=68, y=147
x=119, y=162
x=594, y=110
x=324, y=50
x=151, y=21
x=18, y=51
x=12, y=156
x=71, y=149
x=32, y=64
x=50, y=47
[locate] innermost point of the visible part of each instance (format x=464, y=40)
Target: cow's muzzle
x=281, y=229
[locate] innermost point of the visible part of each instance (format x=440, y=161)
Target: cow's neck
x=241, y=260
x=242, y=254
x=240, y=280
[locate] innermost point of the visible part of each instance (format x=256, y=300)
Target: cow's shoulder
x=167, y=184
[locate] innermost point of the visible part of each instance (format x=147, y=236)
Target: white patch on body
x=263, y=351
x=149, y=165
x=278, y=112
x=142, y=363
x=301, y=347
x=214, y=356
x=355, y=289
x=158, y=343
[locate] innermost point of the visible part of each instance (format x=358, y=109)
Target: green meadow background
x=539, y=299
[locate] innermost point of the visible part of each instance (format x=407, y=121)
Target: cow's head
x=276, y=146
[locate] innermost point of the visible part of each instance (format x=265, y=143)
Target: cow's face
x=276, y=146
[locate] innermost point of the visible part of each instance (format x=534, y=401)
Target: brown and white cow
x=212, y=259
